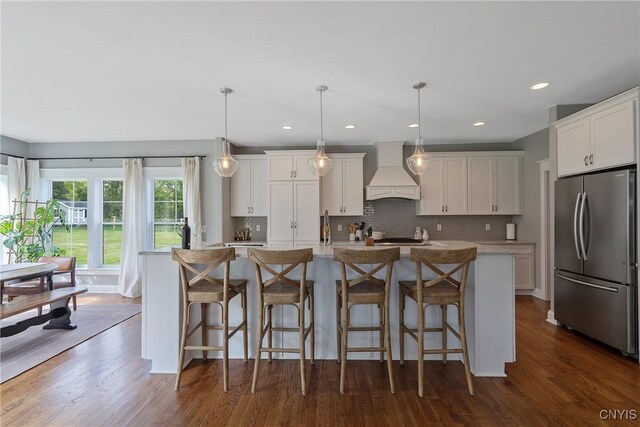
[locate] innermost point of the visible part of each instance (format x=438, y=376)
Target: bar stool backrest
x=289, y=259
x=352, y=258
x=197, y=265
x=432, y=257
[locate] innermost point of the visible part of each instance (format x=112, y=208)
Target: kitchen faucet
x=326, y=229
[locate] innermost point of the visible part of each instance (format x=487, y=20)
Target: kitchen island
x=490, y=304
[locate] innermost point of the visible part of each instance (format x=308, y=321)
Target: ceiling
x=117, y=71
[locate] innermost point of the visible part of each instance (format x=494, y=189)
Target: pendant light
x=419, y=161
x=225, y=165
x=320, y=163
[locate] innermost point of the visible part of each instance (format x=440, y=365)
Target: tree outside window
x=168, y=214
x=72, y=196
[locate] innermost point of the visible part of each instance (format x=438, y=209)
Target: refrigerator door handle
x=580, y=282
x=581, y=226
x=575, y=225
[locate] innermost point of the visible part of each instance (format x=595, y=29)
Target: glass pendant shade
x=320, y=163
x=419, y=161
x=225, y=165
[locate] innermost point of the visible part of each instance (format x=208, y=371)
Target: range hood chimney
x=391, y=180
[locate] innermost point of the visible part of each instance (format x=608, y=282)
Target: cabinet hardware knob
x=586, y=160
x=591, y=159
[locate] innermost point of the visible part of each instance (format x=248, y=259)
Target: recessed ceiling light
x=540, y=85
x=350, y=126
x=414, y=125
x=479, y=124
x=287, y=127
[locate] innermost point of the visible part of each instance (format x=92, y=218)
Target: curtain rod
x=202, y=156
x=12, y=155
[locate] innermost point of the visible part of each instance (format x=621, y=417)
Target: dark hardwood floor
x=559, y=379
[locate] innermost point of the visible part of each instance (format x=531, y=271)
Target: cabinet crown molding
x=476, y=153
x=616, y=99
x=289, y=152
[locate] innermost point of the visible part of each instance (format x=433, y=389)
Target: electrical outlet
x=487, y=227
x=439, y=227
x=257, y=227
x=339, y=227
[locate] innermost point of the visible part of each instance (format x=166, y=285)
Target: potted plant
x=31, y=238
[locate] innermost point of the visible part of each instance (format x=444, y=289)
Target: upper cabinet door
x=241, y=189
x=307, y=211
x=431, y=189
x=301, y=169
x=280, y=227
x=573, y=141
x=259, y=187
x=506, y=179
x=455, y=186
x=612, y=133
x=479, y=185
x=332, y=189
x=352, y=186
x=280, y=168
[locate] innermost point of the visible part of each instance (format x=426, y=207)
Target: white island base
x=490, y=316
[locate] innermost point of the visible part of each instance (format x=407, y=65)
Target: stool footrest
x=200, y=347
x=443, y=351
x=365, y=349
x=279, y=350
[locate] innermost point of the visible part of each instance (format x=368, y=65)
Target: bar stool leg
x=381, y=330
x=401, y=326
x=183, y=341
x=444, y=332
x=244, y=325
x=387, y=340
x=313, y=327
x=203, y=315
x=259, y=346
x=270, y=333
x=345, y=338
x=421, y=324
x=302, y=350
x=225, y=344
x=338, y=327
x=465, y=351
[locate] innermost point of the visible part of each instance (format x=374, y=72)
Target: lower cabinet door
x=280, y=215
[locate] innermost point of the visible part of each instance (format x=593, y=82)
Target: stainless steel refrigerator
x=595, y=257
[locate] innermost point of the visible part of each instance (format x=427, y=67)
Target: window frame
x=101, y=223
x=150, y=175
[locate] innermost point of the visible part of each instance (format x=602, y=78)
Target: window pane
x=73, y=242
x=166, y=236
x=111, y=244
x=165, y=212
x=112, y=191
x=112, y=212
x=167, y=190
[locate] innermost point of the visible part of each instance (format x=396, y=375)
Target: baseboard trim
x=537, y=293
x=551, y=318
x=102, y=289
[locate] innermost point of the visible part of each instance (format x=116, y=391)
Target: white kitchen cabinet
x=443, y=188
x=524, y=272
x=494, y=185
x=294, y=212
x=286, y=165
x=249, y=187
x=343, y=186
x=599, y=137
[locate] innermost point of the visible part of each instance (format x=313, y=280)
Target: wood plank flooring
x=558, y=379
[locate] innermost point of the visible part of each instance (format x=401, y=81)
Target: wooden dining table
x=28, y=270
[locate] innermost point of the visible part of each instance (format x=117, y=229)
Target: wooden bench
x=59, y=316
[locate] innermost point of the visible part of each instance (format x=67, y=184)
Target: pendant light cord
x=419, y=124
x=225, y=119
x=321, y=133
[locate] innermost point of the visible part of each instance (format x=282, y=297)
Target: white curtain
x=16, y=179
x=130, y=280
x=191, y=196
x=33, y=183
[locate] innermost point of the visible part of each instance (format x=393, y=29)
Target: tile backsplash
x=397, y=218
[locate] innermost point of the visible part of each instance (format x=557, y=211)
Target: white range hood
x=391, y=180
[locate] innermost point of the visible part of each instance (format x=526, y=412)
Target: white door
x=479, y=185
x=259, y=187
x=306, y=212
x=431, y=189
x=241, y=189
x=507, y=185
x=573, y=147
x=280, y=218
x=612, y=133
x=332, y=184
x=301, y=168
x=352, y=187
x=455, y=186
x=280, y=168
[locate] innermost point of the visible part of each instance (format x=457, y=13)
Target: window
x=72, y=196
x=111, y=222
x=167, y=212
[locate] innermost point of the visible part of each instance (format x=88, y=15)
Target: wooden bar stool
x=281, y=290
x=198, y=287
x=364, y=289
x=442, y=290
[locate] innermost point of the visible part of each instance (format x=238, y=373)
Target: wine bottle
x=186, y=234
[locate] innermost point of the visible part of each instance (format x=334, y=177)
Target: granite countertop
x=495, y=247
